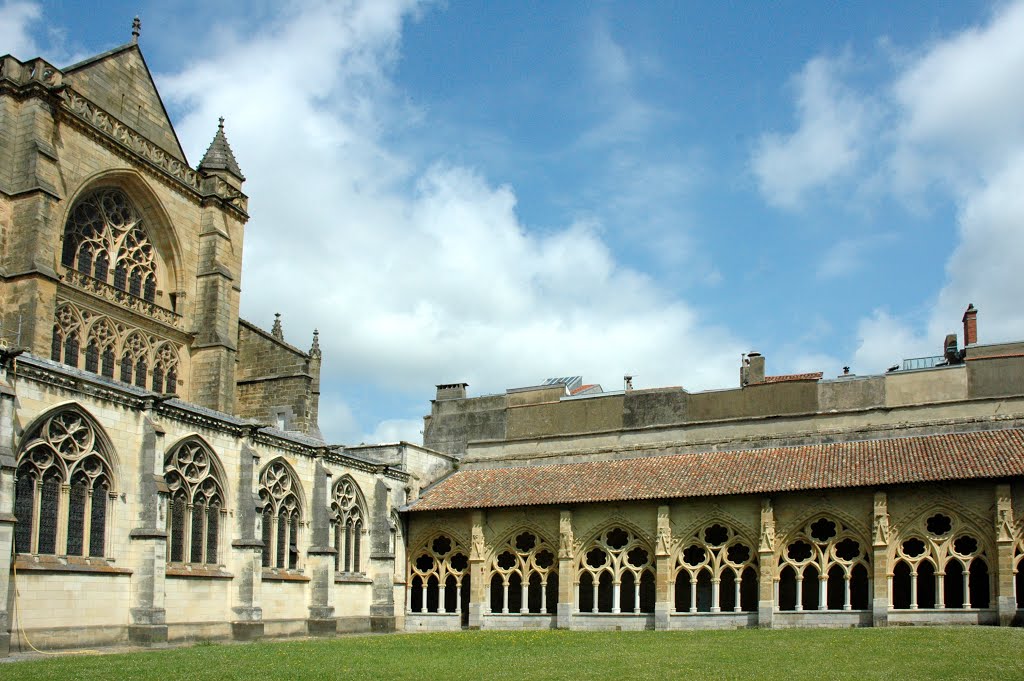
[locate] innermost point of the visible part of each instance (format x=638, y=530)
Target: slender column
x=187, y=534
x=940, y=590
x=716, y=592
x=768, y=586
x=693, y=593
x=913, y=589
x=738, y=607
x=568, y=580
x=87, y=524
x=616, y=590
x=967, y=589
x=1005, y=593
x=594, y=609
x=423, y=595
x=408, y=597
x=636, y=597
x=61, y=543
x=846, y=593
x=544, y=596
x=504, y=596
x=823, y=591
x=524, y=603
x=458, y=596
x=442, y=594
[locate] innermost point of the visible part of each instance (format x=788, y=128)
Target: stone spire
x=219, y=155
x=277, y=332
x=314, y=350
x=136, y=30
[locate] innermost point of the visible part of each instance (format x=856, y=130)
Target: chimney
x=451, y=391
x=752, y=371
x=970, y=325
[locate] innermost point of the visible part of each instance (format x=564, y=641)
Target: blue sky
x=501, y=192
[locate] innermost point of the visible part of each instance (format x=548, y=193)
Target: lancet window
x=281, y=510
x=67, y=334
x=197, y=504
x=715, y=570
x=165, y=369
x=438, y=577
x=63, y=489
x=940, y=563
x=134, y=353
x=100, y=348
x=823, y=566
x=347, y=521
x=524, y=576
x=614, y=573
x=105, y=238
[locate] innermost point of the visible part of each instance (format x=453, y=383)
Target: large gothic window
x=524, y=576
x=197, y=504
x=438, y=577
x=615, y=573
x=281, y=511
x=715, y=571
x=347, y=521
x=63, y=489
x=824, y=566
x=104, y=238
x=940, y=563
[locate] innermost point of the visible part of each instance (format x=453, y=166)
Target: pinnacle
x=219, y=155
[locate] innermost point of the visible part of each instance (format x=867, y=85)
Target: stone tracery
x=197, y=503
x=614, y=573
x=824, y=565
x=281, y=510
x=714, y=570
x=523, y=575
x=438, y=576
x=347, y=523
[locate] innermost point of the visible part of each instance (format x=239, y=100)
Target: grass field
x=894, y=653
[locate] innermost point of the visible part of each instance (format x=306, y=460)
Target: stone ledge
x=197, y=572
x=275, y=576
x=350, y=578
x=42, y=564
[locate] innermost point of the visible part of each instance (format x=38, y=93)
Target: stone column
x=566, y=571
x=382, y=561
x=477, y=571
x=148, y=624
x=1006, y=595
x=766, y=565
x=8, y=465
x=321, y=620
x=881, y=535
x=663, y=573
x=247, y=553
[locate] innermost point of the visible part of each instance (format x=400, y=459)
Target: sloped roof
x=219, y=156
x=960, y=456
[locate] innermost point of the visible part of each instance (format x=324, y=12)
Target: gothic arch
x=349, y=515
x=743, y=530
x=198, y=501
x=158, y=225
x=522, y=571
x=104, y=441
x=215, y=461
x=616, y=519
x=282, y=505
x=714, y=566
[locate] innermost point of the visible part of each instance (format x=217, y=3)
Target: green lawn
x=894, y=653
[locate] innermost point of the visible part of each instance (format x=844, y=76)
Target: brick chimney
x=451, y=391
x=752, y=370
x=970, y=325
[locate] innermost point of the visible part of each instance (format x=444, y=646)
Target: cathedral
x=163, y=476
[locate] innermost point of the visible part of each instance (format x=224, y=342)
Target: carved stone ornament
x=565, y=539
x=664, y=540
x=880, y=525
x=1004, y=514
x=767, y=526
x=477, y=547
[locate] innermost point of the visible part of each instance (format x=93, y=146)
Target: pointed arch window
x=438, y=577
x=825, y=565
x=100, y=348
x=197, y=504
x=63, y=489
x=67, y=333
x=615, y=573
x=524, y=576
x=165, y=369
x=715, y=571
x=347, y=521
x=104, y=232
x=281, y=510
x=133, y=363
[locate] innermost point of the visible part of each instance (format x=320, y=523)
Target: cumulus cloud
x=15, y=20
x=833, y=121
x=415, y=275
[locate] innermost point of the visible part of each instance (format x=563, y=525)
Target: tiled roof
x=988, y=454
x=794, y=377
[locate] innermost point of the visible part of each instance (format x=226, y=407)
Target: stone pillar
x=148, y=623
x=881, y=534
x=477, y=571
x=247, y=553
x=382, y=561
x=766, y=565
x=8, y=465
x=663, y=567
x=1006, y=595
x=321, y=620
x=566, y=571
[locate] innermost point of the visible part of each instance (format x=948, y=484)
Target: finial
x=220, y=123
x=314, y=350
x=277, y=331
x=136, y=30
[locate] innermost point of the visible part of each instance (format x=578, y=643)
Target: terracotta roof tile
x=794, y=377
x=843, y=464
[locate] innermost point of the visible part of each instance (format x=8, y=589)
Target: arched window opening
x=827, y=568
x=62, y=473
x=520, y=573
x=709, y=567
x=438, y=565
x=347, y=521
x=281, y=509
x=945, y=566
x=165, y=369
x=67, y=333
x=197, y=501
x=103, y=228
x=612, y=567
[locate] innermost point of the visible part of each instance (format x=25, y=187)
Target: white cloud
x=833, y=121
x=414, y=275
x=396, y=430
x=15, y=19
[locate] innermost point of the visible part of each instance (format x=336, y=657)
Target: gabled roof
x=960, y=456
x=219, y=156
x=119, y=81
